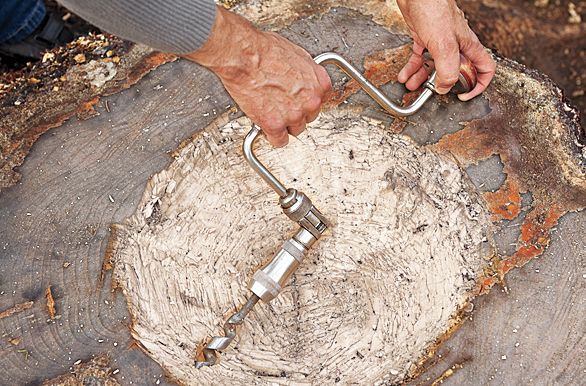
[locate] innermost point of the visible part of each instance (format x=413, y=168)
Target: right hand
x=440, y=27
x=275, y=82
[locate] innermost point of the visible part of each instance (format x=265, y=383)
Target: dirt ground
x=547, y=35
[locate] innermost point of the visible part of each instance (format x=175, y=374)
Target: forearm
x=233, y=47
x=179, y=26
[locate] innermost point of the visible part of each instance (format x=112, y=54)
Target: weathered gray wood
x=61, y=212
x=533, y=331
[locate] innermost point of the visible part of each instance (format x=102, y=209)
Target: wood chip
x=48, y=56
x=15, y=341
x=50, y=302
x=16, y=309
x=79, y=58
x=448, y=373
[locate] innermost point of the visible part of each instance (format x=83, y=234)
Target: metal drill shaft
x=219, y=343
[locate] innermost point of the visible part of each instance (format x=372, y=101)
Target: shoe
x=51, y=33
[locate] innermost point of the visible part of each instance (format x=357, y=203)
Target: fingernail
x=463, y=97
x=442, y=90
x=401, y=77
x=280, y=142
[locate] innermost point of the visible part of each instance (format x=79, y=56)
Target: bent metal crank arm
x=466, y=82
x=269, y=281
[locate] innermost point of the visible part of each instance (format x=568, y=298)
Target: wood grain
x=56, y=225
x=530, y=331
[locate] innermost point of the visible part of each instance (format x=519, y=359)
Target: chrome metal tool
x=268, y=282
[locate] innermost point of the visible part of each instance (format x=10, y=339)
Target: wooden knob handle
x=466, y=77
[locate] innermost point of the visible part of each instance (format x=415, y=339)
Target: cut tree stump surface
x=86, y=175
x=408, y=240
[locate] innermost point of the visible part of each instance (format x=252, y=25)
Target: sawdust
x=408, y=240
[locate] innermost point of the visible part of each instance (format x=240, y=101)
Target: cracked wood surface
x=55, y=225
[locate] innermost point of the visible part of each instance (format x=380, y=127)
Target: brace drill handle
x=466, y=82
x=268, y=282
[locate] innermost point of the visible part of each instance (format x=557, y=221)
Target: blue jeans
x=19, y=19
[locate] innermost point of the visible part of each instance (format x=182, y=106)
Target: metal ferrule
x=295, y=204
x=299, y=208
x=269, y=281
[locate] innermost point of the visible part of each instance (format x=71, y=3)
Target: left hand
x=275, y=82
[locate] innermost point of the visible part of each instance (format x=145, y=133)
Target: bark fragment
x=16, y=309
x=50, y=302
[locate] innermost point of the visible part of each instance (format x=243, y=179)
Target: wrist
x=233, y=47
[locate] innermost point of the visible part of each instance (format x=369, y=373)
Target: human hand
x=275, y=82
x=440, y=27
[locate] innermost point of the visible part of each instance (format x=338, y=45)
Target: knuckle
x=296, y=130
x=492, y=66
x=445, y=47
x=312, y=117
x=448, y=80
x=278, y=139
x=324, y=79
x=295, y=117
x=313, y=104
x=273, y=125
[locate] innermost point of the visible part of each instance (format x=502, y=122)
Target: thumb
x=446, y=56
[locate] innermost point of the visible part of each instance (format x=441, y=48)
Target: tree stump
x=520, y=144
